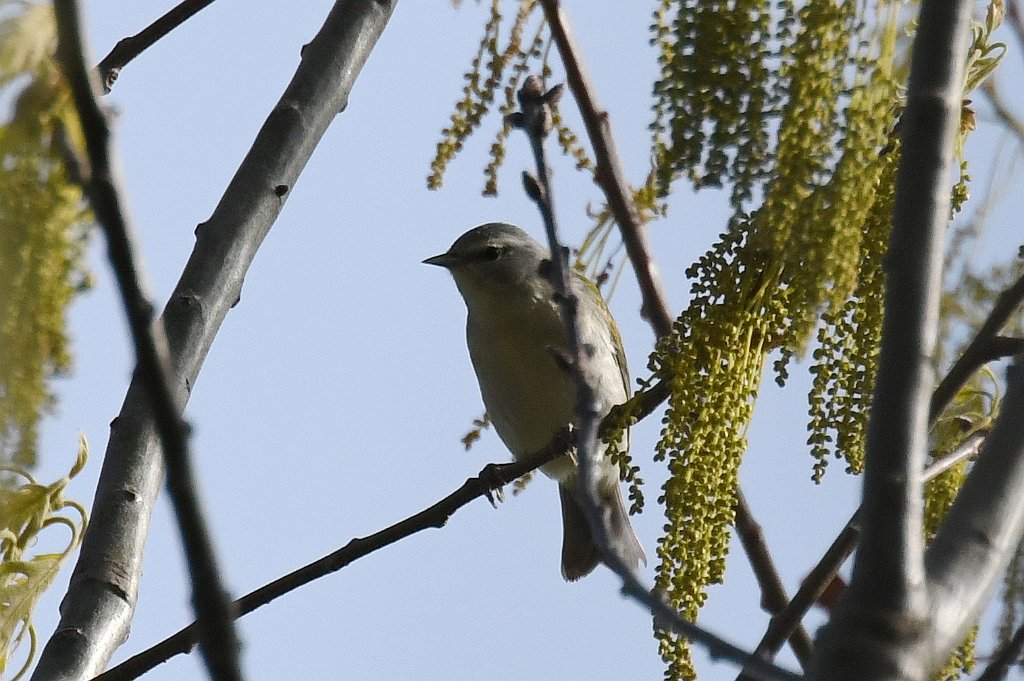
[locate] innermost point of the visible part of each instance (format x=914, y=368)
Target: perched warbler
x=512, y=326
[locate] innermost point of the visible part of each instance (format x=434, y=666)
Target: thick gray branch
x=885, y=609
x=100, y=601
x=983, y=528
x=103, y=187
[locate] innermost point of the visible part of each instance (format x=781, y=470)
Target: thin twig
x=536, y=119
x=1016, y=21
x=1007, y=656
x=773, y=594
x=611, y=177
x=981, y=349
x=1002, y=111
x=821, y=575
x=131, y=47
x=490, y=479
x=609, y=172
x=219, y=644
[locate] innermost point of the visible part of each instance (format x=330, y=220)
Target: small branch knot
x=535, y=107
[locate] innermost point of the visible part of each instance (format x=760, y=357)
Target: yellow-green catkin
x=41, y=228
x=27, y=509
x=500, y=64
x=810, y=248
x=714, y=94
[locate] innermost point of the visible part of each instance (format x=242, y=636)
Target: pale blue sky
x=332, y=402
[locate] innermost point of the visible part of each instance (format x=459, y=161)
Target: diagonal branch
x=611, y=177
x=1007, y=656
x=609, y=173
x=131, y=47
x=219, y=644
x=983, y=528
x=985, y=347
x=490, y=479
x=980, y=350
x=821, y=575
x=535, y=119
x=98, y=607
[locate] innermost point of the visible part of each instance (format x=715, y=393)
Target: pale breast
x=527, y=395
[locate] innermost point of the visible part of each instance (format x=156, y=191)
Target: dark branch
x=773, y=593
x=821, y=576
x=1016, y=21
x=1007, y=656
x=609, y=173
x=219, y=643
x=536, y=120
x=490, y=479
x=131, y=47
x=985, y=347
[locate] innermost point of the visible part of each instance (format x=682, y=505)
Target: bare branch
x=100, y=601
x=820, y=577
x=1016, y=21
x=131, y=47
x=609, y=173
x=1002, y=111
x=983, y=348
x=773, y=593
x=1007, y=656
x=490, y=479
x=535, y=119
x=983, y=527
x=219, y=644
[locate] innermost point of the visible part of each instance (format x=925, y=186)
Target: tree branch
x=490, y=479
x=983, y=348
x=535, y=119
x=885, y=610
x=773, y=593
x=609, y=172
x=131, y=47
x=1002, y=111
x=219, y=644
x=1007, y=656
x=1016, y=20
x=99, y=604
x=821, y=575
x=611, y=177
x=983, y=527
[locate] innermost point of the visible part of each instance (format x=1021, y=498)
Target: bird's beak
x=446, y=260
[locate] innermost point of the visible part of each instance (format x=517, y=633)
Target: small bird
x=513, y=325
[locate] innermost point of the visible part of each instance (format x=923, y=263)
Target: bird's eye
x=491, y=253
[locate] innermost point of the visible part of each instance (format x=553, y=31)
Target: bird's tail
x=580, y=554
